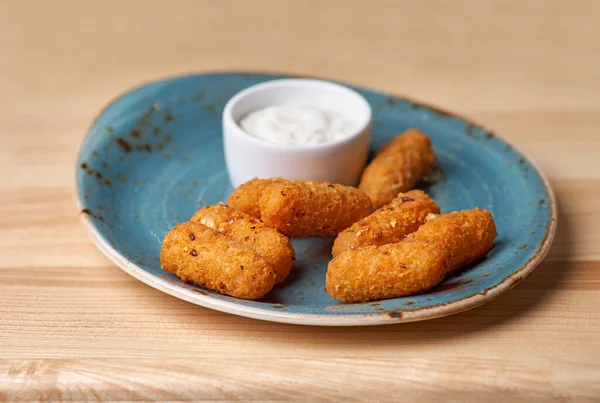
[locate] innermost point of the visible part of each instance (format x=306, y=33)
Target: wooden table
x=74, y=326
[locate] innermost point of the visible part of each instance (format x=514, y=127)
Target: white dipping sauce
x=296, y=125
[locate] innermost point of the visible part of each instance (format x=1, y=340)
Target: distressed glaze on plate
x=155, y=155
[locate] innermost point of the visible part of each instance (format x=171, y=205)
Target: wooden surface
x=73, y=326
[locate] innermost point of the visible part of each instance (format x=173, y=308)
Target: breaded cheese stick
x=203, y=256
x=397, y=167
x=466, y=235
x=391, y=223
x=437, y=249
x=245, y=229
x=245, y=198
x=299, y=209
x=373, y=273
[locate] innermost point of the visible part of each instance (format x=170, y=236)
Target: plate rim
x=382, y=318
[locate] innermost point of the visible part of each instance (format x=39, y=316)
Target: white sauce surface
x=296, y=125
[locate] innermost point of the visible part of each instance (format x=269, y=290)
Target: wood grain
x=285, y=379
x=75, y=327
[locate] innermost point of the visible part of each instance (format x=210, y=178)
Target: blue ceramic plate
x=155, y=155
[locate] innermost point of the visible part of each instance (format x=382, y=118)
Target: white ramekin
x=338, y=161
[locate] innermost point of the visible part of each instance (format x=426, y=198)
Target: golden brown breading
x=245, y=198
x=199, y=254
x=250, y=231
x=465, y=235
x=391, y=223
x=373, y=273
x=299, y=209
x=437, y=249
x=397, y=167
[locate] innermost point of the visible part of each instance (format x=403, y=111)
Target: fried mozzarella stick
x=299, y=209
x=437, y=249
x=267, y=242
x=390, y=224
x=397, y=167
x=203, y=256
x=245, y=198
x=465, y=235
x=373, y=272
